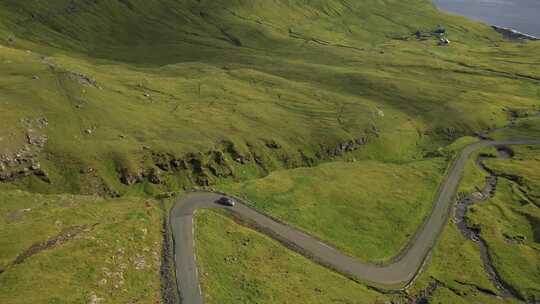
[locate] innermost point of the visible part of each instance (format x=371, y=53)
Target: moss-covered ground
x=252, y=268
x=79, y=249
x=367, y=209
x=508, y=223
x=117, y=101
x=168, y=94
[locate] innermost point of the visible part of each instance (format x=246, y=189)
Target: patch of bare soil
x=58, y=240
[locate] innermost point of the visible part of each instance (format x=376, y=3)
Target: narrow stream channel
x=460, y=218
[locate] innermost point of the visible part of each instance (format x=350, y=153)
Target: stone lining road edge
x=400, y=272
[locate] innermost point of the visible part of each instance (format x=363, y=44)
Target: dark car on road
x=227, y=201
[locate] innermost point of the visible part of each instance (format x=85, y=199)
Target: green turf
x=184, y=80
x=528, y=127
x=368, y=209
x=508, y=223
x=229, y=91
x=456, y=263
x=115, y=258
x=239, y=265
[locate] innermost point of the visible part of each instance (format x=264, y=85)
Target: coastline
x=513, y=34
x=507, y=31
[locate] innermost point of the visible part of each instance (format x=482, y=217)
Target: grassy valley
x=509, y=222
x=338, y=117
x=506, y=223
x=216, y=91
x=367, y=209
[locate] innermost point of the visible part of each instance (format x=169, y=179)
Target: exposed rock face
x=24, y=161
x=349, y=146
x=205, y=168
x=154, y=176
x=129, y=178
x=35, y=139
x=84, y=80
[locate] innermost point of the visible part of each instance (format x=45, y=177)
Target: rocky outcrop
x=24, y=161
x=348, y=146
x=84, y=80
x=223, y=162
x=128, y=177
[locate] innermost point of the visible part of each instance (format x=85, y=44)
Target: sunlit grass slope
x=76, y=249
x=131, y=86
x=251, y=267
x=508, y=223
x=367, y=209
x=139, y=97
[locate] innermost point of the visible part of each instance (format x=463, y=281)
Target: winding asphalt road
x=401, y=271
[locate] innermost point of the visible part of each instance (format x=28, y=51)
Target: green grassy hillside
x=78, y=249
x=121, y=99
x=168, y=94
x=367, y=209
x=251, y=267
x=507, y=222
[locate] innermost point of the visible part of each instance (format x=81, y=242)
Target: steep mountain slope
x=114, y=29
x=134, y=98
x=166, y=94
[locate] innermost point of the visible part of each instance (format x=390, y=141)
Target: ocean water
x=521, y=15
